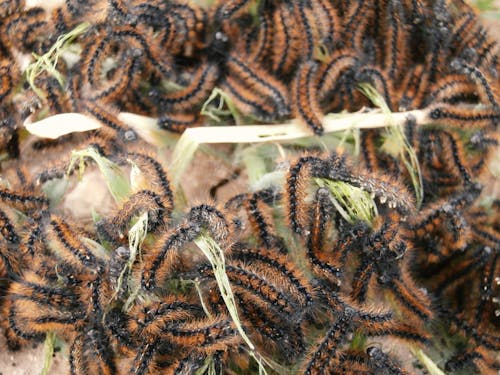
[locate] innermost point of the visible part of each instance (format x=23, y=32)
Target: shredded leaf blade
x=396, y=143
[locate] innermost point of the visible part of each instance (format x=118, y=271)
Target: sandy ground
x=30, y=360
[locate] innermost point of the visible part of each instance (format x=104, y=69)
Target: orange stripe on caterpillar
x=68, y=246
x=305, y=97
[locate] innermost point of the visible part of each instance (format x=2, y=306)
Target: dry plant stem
x=56, y=126
x=193, y=137
x=293, y=130
x=427, y=362
x=46, y=4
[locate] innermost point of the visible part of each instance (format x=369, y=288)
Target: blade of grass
x=136, y=236
x=215, y=256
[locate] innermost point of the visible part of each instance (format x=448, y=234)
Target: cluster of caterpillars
x=314, y=289
x=275, y=60
x=356, y=277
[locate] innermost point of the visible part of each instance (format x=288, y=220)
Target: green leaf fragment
x=351, y=202
x=48, y=61
x=116, y=179
x=215, y=110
